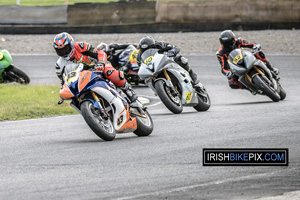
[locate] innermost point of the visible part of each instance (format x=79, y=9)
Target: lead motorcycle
x=171, y=82
x=11, y=73
x=255, y=75
x=102, y=106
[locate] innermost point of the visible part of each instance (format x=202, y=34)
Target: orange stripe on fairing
x=84, y=79
x=65, y=92
x=131, y=122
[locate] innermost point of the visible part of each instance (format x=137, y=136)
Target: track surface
x=61, y=158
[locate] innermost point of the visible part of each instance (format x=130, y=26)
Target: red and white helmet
x=63, y=45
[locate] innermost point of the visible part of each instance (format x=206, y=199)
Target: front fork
x=169, y=83
x=259, y=72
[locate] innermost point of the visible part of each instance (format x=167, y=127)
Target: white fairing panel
x=118, y=107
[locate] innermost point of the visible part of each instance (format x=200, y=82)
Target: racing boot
x=194, y=77
x=127, y=89
x=273, y=69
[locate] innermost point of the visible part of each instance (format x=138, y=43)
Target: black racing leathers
x=161, y=46
x=222, y=54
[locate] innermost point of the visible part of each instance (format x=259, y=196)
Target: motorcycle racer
x=228, y=43
x=148, y=42
x=83, y=52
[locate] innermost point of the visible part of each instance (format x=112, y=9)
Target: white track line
x=179, y=189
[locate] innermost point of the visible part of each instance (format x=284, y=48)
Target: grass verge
x=31, y=101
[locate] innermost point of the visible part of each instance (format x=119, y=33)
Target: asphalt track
x=61, y=158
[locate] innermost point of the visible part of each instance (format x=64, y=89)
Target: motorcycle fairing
x=66, y=93
x=188, y=95
x=240, y=61
x=84, y=79
x=121, y=117
x=6, y=59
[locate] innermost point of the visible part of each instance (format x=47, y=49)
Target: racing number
x=149, y=59
x=188, y=96
x=133, y=55
x=237, y=58
x=71, y=75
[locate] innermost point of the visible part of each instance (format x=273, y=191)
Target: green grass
x=27, y=102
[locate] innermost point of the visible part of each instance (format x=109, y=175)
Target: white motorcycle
x=171, y=82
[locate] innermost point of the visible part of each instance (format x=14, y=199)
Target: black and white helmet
x=227, y=40
x=146, y=42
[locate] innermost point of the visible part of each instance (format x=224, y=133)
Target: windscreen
x=148, y=54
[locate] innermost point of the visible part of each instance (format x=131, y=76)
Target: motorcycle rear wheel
x=144, y=125
x=102, y=128
x=203, y=101
x=270, y=92
x=173, y=103
x=14, y=74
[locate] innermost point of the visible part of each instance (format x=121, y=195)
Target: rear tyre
x=19, y=76
x=173, y=103
x=268, y=90
x=204, y=101
x=144, y=125
x=102, y=128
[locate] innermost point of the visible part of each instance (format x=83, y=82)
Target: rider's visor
x=64, y=51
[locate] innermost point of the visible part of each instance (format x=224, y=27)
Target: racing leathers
x=92, y=58
x=172, y=51
x=222, y=56
x=114, y=57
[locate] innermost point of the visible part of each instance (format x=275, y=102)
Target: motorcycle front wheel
x=173, y=103
x=267, y=90
x=101, y=127
x=282, y=93
x=144, y=125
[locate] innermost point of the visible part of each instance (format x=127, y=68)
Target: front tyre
x=173, y=103
x=282, y=93
x=267, y=89
x=144, y=125
x=103, y=128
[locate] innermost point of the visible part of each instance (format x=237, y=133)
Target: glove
x=60, y=101
x=229, y=75
x=256, y=47
x=99, y=67
x=112, y=46
x=172, y=52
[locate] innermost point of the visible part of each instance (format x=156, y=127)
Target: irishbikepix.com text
x=248, y=157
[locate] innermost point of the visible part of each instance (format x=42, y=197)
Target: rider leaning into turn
x=148, y=42
x=228, y=43
x=82, y=52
